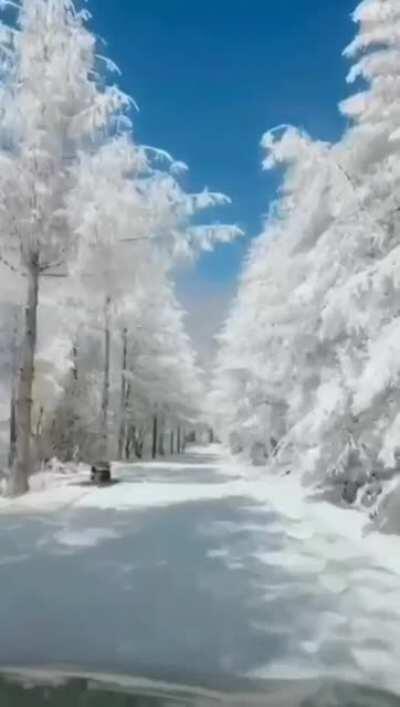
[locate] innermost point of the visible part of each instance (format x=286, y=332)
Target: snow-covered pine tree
x=325, y=302
x=274, y=353
x=370, y=295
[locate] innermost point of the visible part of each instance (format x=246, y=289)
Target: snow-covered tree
x=277, y=310
x=78, y=198
x=308, y=355
x=125, y=211
x=51, y=105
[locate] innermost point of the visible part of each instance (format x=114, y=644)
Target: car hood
x=34, y=687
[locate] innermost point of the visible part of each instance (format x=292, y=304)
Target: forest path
x=182, y=572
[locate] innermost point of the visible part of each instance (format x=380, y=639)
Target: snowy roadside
x=333, y=531
x=55, y=487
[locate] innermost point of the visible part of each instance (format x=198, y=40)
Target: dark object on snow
x=350, y=491
x=101, y=473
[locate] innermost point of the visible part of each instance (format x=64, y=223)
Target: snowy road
x=188, y=575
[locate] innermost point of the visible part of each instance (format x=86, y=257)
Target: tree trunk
x=123, y=401
x=39, y=436
x=130, y=441
x=129, y=435
x=13, y=431
x=161, y=435
x=73, y=451
x=139, y=443
x=171, y=446
x=75, y=369
x=155, y=436
x=127, y=447
x=178, y=444
x=105, y=404
x=24, y=384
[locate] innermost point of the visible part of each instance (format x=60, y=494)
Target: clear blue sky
x=211, y=77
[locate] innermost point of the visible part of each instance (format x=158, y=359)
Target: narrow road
x=185, y=590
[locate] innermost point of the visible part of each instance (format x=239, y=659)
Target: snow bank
x=335, y=532
x=58, y=485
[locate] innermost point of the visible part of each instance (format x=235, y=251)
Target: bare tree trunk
x=161, y=435
x=13, y=431
x=161, y=448
x=171, y=445
x=130, y=430
x=39, y=423
x=178, y=444
x=75, y=369
x=123, y=402
x=139, y=442
x=24, y=384
x=39, y=436
x=127, y=447
x=73, y=451
x=155, y=435
x=130, y=441
x=105, y=404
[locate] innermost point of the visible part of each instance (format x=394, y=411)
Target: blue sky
x=210, y=78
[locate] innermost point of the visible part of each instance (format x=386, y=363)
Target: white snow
x=331, y=532
x=89, y=537
x=323, y=550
